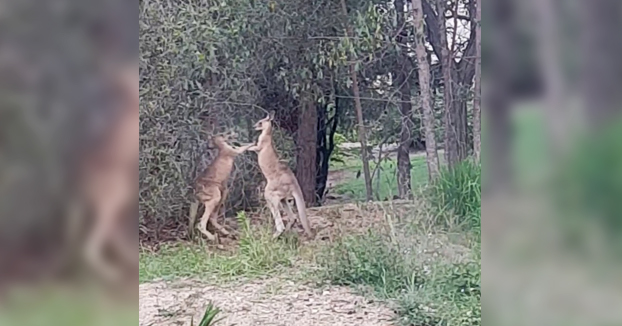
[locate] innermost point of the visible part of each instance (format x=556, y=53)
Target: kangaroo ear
x=271, y=115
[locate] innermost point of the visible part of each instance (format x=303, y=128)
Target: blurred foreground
x=552, y=215
x=68, y=163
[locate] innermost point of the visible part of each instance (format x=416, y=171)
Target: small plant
x=209, y=317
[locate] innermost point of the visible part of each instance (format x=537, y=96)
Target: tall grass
x=438, y=293
x=457, y=193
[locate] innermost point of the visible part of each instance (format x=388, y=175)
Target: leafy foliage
x=231, y=61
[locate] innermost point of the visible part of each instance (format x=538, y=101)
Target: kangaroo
x=281, y=183
x=109, y=183
x=211, y=187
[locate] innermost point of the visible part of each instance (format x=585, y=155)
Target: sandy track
x=259, y=303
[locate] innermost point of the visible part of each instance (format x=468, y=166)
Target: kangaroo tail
x=194, y=209
x=302, y=212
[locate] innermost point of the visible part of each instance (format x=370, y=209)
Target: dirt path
x=259, y=303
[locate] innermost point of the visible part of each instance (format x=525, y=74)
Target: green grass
x=437, y=292
x=385, y=186
x=63, y=307
x=257, y=255
x=457, y=195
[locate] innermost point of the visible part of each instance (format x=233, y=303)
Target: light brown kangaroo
x=109, y=183
x=281, y=182
x=211, y=187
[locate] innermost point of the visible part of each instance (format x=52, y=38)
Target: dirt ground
x=276, y=301
x=260, y=303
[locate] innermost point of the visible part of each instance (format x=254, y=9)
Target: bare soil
x=259, y=303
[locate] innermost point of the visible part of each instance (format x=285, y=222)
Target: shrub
x=589, y=187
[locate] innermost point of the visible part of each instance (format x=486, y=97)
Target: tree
x=359, y=113
x=424, y=86
x=477, y=99
x=401, y=80
x=306, y=154
x=502, y=58
x=461, y=71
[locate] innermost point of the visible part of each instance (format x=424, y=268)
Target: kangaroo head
x=221, y=142
x=265, y=123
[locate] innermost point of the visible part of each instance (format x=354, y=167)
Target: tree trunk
x=325, y=147
x=359, y=115
x=461, y=75
x=402, y=83
x=601, y=47
x=451, y=114
x=306, y=141
x=499, y=98
x=424, y=86
x=477, y=100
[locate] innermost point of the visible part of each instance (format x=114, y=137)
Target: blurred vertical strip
x=55, y=102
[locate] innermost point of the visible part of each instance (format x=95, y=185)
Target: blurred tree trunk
x=306, y=154
x=359, y=114
x=499, y=99
x=477, y=100
x=601, y=50
x=549, y=44
x=401, y=80
x=424, y=86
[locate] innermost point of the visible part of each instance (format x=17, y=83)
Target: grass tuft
x=457, y=194
x=209, y=316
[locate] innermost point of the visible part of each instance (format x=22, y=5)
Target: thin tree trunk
x=359, y=114
x=306, y=141
x=549, y=45
x=402, y=83
x=499, y=98
x=477, y=100
x=424, y=85
x=450, y=120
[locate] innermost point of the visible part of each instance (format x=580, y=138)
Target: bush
x=589, y=187
x=457, y=191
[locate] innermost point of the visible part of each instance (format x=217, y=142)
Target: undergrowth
x=257, y=255
x=440, y=291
